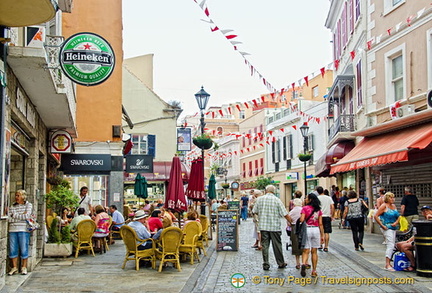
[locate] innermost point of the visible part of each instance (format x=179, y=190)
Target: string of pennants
x=259, y=138
x=233, y=39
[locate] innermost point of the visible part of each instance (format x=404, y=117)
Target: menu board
x=227, y=230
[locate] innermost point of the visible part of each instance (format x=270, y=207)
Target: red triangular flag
x=213, y=114
x=229, y=110
x=293, y=86
x=238, y=107
x=263, y=99
x=295, y=127
x=322, y=71
x=369, y=44
x=270, y=132
x=389, y=31
x=214, y=29
x=353, y=54
x=229, y=37
x=221, y=112
x=255, y=103
x=206, y=11
x=306, y=78
x=282, y=129
x=246, y=104
x=336, y=64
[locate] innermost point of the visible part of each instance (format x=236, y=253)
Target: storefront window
x=154, y=190
x=97, y=185
x=349, y=180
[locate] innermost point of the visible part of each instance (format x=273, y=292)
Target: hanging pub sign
x=139, y=164
x=87, y=59
x=61, y=142
x=183, y=139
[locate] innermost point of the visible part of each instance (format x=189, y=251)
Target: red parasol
x=175, y=198
x=195, y=190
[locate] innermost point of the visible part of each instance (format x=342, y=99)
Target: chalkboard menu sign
x=234, y=205
x=227, y=230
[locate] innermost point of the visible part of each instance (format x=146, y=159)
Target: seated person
x=81, y=216
x=117, y=218
x=214, y=206
x=427, y=212
x=147, y=206
x=192, y=216
x=408, y=247
x=102, y=221
x=140, y=225
x=155, y=221
x=66, y=217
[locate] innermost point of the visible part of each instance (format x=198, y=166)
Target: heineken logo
x=87, y=59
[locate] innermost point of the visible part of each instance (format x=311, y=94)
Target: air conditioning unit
x=429, y=99
x=405, y=110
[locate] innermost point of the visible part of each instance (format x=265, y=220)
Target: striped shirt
x=270, y=210
x=18, y=215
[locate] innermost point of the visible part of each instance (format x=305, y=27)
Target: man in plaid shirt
x=270, y=210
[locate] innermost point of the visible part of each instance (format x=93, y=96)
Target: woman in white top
x=19, y=236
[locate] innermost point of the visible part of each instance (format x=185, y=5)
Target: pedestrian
x=270, y=210
x=19, y=236
x=256, y=233
x=409, y=206
x=327, y=211
x=342, y=200
x=85, y=201
x=353, y=214
x=297, y=194
x=311, y=213
x=388, y=218
x=244, y=202
x=295, y=215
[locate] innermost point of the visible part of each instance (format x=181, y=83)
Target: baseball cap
x=426, y=208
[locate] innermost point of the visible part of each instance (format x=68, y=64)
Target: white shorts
x=313, y=237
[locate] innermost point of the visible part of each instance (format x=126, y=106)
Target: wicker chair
x=132, y=242
x=204, y=234
x=84, y=235
x=168, y=250
x=192, y=232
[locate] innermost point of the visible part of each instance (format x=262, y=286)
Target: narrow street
x=103, y=273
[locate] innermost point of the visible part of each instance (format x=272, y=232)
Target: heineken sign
x=87, y=59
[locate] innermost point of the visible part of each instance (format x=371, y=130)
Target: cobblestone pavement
x=103, y=273
x=341, y=264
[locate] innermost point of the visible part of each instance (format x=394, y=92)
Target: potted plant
x=203, y=141
x=59, y=238
x=304, y=157
x=225, y=185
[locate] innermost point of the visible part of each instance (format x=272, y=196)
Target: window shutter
x=273, y=149
x=284, y=147
x=151, y=140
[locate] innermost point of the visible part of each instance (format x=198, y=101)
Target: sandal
x=410, y=269
x=258, y=248
x=390, y=269
x=298, y=267
x=314, y=273
x=308, y=266
x=325, y=249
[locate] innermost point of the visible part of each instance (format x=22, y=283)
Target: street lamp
x=304, y=129
x=225, y=172
x=202, y=98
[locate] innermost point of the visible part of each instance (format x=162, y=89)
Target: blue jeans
x=244, y=213
x=19, y=241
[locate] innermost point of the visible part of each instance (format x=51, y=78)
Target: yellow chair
x=168, y=250
x=204, y=235
x=113, y=233
x=84, y=235
x=49, y=220
x=192, y=232
x=132, y=242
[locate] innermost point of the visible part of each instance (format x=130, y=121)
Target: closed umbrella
x=175, y=198
x=212, y=187
x=195, y=190
x=140, y=186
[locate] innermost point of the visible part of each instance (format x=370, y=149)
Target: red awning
x=161, y=172
x=335, y=153
x=385, y=149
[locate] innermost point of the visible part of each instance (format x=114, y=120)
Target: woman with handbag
x=311, y=213
x=354, y=214
x=19, y=236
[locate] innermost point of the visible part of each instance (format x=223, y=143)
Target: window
x=315, y=91
x=351, y=15
x=262, y=166
x=250, y=169
x=311, y=142
x=344, y=26
x=396, y=2
x=395, y=71
x=390, y=5
x=357, y=10
x=278, y=151
x=397, y=78
x=359, y=84
x=244, y=170
x=139, y=144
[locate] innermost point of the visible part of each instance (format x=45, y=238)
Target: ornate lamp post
x=225, y=172
x=202, y=98
x=304, y=131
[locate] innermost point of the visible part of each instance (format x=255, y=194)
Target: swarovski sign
x=87, y=59
x=139, y=164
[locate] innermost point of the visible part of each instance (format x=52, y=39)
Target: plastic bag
x=403, y=224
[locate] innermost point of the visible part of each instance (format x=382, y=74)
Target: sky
x=286, y=39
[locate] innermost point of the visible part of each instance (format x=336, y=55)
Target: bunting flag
x=238, y=107
x=369, y=44
x=336, y=64
x=263, y=99
x=294, y=126
x=322, y=71
x=306, y=79
x=246, y=104
x=229, y=110
x=221, y=112
x=255, y=103
x=214, y=29
x=389, y=31
x=352, y=54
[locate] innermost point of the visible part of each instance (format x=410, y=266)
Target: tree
x=261, y=182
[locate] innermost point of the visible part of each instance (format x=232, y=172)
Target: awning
x=335, y=153
x=161, y=172
x=385, y=149
x=26, y=12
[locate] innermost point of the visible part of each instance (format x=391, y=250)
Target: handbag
x=364, y=209
x=32, y=224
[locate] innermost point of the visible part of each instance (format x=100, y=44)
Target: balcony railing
x=344, y=123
